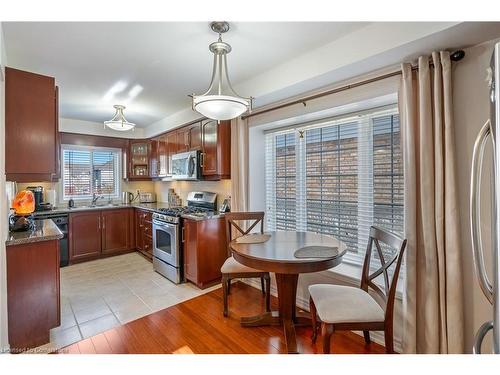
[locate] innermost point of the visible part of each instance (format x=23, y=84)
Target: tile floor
x=101, y=294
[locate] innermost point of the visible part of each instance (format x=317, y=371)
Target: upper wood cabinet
x=171, y=147
x=194, y=135
x=162, y=156
x=154, y=165
x=216, y=149
x=140, y=154
x=183, y=139
x=31, y=127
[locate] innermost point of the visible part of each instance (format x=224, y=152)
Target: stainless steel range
x=168, y=233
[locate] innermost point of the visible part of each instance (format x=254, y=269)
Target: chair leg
x=366, y=334
x=225, y=291
x=262, y=286
x=326, y=332
x=268, y=294
x=389, y=340
x=228, y=286
x=314, y=320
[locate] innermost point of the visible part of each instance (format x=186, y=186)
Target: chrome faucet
x=95, y=197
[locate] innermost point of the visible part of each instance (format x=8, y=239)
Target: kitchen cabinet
x=139, y=160
x=204, y=249
x=98, y=233
x=216, y=150
x=114, y=238
x=194, y=136
x=183, y=139
x=33, y=293
x=144, y=232
x=162, y=156
x=31, y=127
x=154, y=165
x=84, y=235
x=171, y=146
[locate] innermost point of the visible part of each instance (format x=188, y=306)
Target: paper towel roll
x=50, y=197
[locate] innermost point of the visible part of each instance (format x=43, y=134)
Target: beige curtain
x=433, y=305
x=239, y=165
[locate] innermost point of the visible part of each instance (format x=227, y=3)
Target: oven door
x=166, y=242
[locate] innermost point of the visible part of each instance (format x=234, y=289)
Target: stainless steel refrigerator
x=490, y=132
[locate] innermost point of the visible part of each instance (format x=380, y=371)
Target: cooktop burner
x=178, y=211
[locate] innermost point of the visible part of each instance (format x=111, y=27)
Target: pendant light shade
x=220, y=101
x=119, y=122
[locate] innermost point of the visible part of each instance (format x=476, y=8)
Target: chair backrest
x=378, y=235
x=247, y=220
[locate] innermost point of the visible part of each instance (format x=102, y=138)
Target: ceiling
x=151, y=67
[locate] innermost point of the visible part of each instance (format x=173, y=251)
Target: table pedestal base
x=287, y=316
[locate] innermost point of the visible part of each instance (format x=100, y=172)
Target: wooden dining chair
x=341, y=308
x=232, y=269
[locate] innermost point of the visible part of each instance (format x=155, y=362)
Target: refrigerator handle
x=478, y=340
x=475, y=211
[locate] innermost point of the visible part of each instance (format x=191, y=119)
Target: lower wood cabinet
x=33, y=293
x=144, y=232
x=97, y=233
x=205, y=250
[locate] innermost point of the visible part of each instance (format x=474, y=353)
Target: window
x=89, y=170
x=338, y=177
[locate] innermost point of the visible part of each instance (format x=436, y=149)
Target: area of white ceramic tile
x=101, y=294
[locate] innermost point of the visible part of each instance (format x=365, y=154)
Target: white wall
x=471, y=110
x=3, y=203
x=69, y=125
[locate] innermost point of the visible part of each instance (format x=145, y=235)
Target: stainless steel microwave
x=186, y=166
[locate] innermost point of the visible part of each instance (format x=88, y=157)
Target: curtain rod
x=455, y=56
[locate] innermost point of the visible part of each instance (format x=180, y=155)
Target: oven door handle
x=163, y=224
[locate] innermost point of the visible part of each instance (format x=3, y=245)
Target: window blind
x=89, y=170
x=337, y=177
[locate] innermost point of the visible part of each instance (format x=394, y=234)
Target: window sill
x=351, y=274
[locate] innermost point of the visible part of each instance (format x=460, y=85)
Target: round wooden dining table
x=277, y=255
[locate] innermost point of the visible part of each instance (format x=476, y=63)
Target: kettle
x=127, y=197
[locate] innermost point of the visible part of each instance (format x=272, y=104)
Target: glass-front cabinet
x=139, y=159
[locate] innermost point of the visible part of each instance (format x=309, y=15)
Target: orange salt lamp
x=24, y=202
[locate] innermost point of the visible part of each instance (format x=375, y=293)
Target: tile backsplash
x=182, y=188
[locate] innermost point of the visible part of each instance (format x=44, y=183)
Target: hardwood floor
x=198, y=326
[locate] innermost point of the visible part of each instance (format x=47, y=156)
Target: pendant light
x=220, y=101
x=119, y=122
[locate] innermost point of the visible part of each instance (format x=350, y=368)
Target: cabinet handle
x=99, y=222
x=103, y=223
x=182, y=235
x=202, y=159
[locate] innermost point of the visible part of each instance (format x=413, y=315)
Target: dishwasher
x=61, y=220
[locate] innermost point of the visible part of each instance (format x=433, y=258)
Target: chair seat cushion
x=345, y=304
x=231, y=265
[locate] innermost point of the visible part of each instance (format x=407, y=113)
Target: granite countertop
x=43, y=230
x=153, y=207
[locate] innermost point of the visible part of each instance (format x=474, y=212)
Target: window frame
x=117, y=171
x=353, y=258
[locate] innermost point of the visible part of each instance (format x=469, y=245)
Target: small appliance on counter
x=226, y=205
x=145, y=197
x=40, y=205
x=127, y=197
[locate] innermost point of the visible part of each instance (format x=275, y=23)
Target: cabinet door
x=30, y=126
x=154, y=165
x=162, y=156
x=195, y=136
x=139, y=230
x=115, y=230
x=209, y=148
x=139, y=159
x=190, y=247
x=183, y=139
x=84, y=235
x=171, y=149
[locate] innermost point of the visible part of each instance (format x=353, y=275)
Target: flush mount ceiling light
x=119, y=122
x=220, y=101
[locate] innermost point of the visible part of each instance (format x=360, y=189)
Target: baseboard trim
x=303, y=304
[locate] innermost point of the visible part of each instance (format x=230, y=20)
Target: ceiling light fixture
x=119, y=122
x=220, y=101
